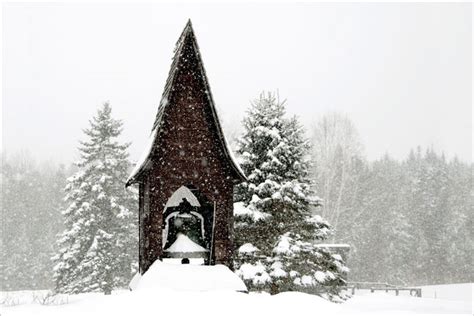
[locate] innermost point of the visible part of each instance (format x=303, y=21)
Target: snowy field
x=453, y=292
x=449, y=292
x=173, y=289
x=451, y=299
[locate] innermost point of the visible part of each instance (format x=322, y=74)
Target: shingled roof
x=186, y=36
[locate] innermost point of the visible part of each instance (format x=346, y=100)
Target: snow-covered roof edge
x=143, y=158
x=140, y=166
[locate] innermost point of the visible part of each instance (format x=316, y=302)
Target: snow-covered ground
x=172, y=302
x=199, y=303
x=450, y=292
x=451, y=299
x=453, y=292
x=216, y=296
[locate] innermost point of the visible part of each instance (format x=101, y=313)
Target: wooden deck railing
x=376, y=286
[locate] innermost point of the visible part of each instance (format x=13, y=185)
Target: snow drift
x=187, y=277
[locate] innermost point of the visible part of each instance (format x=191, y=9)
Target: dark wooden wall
x=188, y=152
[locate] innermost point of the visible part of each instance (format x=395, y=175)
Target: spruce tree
x=97, y=245
x=459, y=238
x=275, y=230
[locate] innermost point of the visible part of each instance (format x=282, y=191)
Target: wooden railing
x=375, y=286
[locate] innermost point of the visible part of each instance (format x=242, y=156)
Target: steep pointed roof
x=186, y=36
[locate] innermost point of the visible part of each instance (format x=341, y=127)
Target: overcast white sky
x=402, y=72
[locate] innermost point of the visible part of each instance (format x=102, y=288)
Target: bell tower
x=187, y=173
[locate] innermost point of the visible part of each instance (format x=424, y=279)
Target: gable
x=188, y=95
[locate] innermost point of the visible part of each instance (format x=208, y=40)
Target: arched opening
x=188, y=225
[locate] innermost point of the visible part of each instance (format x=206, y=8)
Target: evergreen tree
x=459, y=233
x=427, y=210
x=97, y=245
x=275, y=230
x=381, y=235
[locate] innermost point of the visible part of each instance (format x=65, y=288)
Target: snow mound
x=248, y=248
x=188, y=277
x=134, y=282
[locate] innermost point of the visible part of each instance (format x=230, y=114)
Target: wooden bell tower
x=187, y=174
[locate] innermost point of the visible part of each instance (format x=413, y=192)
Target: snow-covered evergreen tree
x=275, y=230
x=459, y=235
x=428, y=188
x=97, y=247
x=30, y=214
x=380, y=233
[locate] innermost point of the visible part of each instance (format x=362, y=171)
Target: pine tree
x=97, y=245
x=459, y=238
x=275, y=230
x=29, y=217
x=382, y=233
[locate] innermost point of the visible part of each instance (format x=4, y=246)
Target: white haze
x=402, y=72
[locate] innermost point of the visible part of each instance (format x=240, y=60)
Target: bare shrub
x=9, y=300
x=50, y=298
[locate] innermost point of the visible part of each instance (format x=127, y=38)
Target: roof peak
x=188, y=30
x=188, y=27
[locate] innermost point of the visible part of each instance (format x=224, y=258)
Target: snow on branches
x=275, y=227
x=96, y=249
